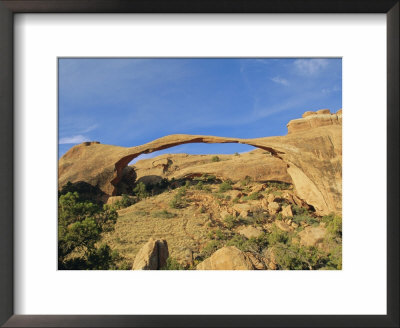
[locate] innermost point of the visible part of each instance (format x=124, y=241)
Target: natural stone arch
x=312, y=152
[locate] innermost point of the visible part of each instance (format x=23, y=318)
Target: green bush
x=333, y=224
x=278, y=185
x=140, y=191
x=277, y=236
x=298, y=210
x=253, y=196
x=126, y=201
x=173, y=264
x=215, y=159
x=230, y=221
x=225, y=186
x=206, y=178
x=199, y=185
x=209, y=249
x=298, y=218
x=248, y=245
x=294, y=257
x=237, y=154
x=179, y=201
x=80, y=225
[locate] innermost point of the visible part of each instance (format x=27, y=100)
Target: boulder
x=312, y=236
x=152, y=256
x=226, y=258
x=264, y=203
x=113, y=199
x=271, y=198
x=287, y=211
x=273, y=208
x=256, y=260
x=258, y=188
x=242, y=207
x=250, y=232
x=269, y=258
x=283, y=226
x=234, y=194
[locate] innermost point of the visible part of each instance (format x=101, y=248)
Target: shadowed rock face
x=312, y=153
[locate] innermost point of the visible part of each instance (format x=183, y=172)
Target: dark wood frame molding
x=10, y=7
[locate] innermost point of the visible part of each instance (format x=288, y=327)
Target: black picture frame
x=10, y=7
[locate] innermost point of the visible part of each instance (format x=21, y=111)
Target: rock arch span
x=313, y=157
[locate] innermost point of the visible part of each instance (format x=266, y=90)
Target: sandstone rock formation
x=152, y=256
x=227, y=258
x=310, y=157
x=311, y=120
x=250, y=232
x=312, y=236
x=287, y=211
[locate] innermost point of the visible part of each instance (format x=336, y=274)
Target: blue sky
x=128, y=102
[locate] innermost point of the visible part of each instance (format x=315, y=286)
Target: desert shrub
x=172, y=264
x=253, y=196
x=235, y=200
x=140, y=191
x=230, y=221
x=333, y=224
x=163, y=214
x=305, y=218
x=215, y=159
x=80, y=225
x=179, y=201
x=126, y=201
x=237, y=154
x=248, y=245
x=278, y=185
x=258, y=217
x=207, y=188
x=205, y=178
x=219, y=195
x=86, y=191
x=294, y=257
x=225, y=186
x=277, y=236
x=187, y=184
x=334, y=259
x=246, y=181
x=298, y=210
x=209, y=249
x=220, y=235
x=199, y=185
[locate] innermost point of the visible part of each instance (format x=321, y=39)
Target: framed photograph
x=190, y=164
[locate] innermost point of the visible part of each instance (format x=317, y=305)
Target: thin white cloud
x=90, y=128
x=310, y=66
x=73, y=140
x=280, y=80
